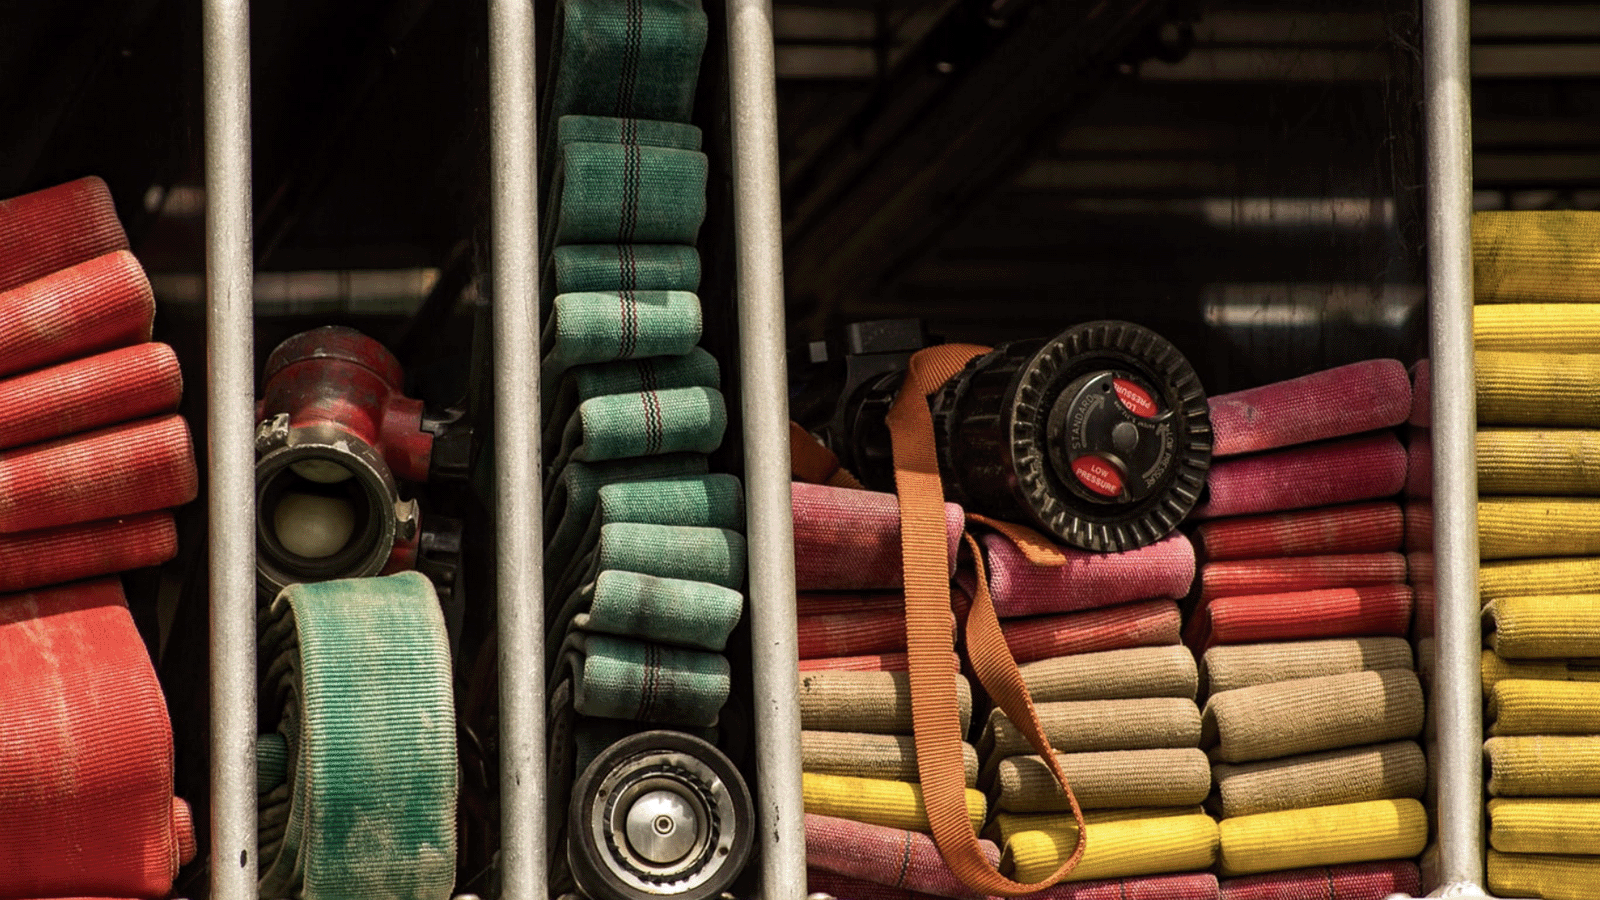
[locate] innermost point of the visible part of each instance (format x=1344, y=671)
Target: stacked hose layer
x=1538, y=373
x=91, y=452
x=862, y=796
x=645, y=553
x=1097, y=642
x=92, y=457
x=1313, y=708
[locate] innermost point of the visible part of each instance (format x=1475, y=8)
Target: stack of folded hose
x=1097, y=642
x=92, y=453
x=91, y=456
x=1313, y=704
x=645, y=555
x=1537, y=335
x=866, y=828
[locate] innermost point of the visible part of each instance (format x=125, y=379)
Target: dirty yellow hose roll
x=1539, y=461
x=1524, y=388
x=1546, y=327
x=1547, y=876
x=1515, y=578
x=1521, y=527
x=1545, y=707
x=1543, y=765
x=1545, y=825
x=1539, y=256
x=1550, y=627
x=1121, y=843
x=1496, y=668
x=1323, y=836
x=877, y=801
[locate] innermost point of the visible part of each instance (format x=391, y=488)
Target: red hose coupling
x=335, y=435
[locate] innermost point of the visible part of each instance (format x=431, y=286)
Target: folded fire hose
x=86, y=802
x=54, y=229
x=358, y=783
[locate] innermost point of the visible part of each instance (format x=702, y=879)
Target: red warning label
x=1098, y=475
x=1136, y=399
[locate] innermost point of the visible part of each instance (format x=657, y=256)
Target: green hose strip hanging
x=618, y=678
x=659, y=198
x=704, y=501
x=358, y=674
x=603, y=326
x=696, y=368
x=577, y=268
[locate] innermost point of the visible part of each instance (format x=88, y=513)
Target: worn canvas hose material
x=1237, y=578
x=713, y=555
x=1495, y=669
x=1082, y=726
x=117, y=471
x=624, y=130
x=1545, y=627
x=1119, y=845
x=1538, y=462
x=872, y=662
x=639, y=58
x=1184, y=886
x=645, y=423
x=626, y=194
x=86, y=804
x=587, y=268
x=847, y=539
x=1522, y=527
x=1357, y=881
x=1539, y=256
x=573, y=494
x=1377, y=772
x=1357, y=528
x=1147, y=623
x=1526, y=388
x=1230, y=667
x=1545, y=707
x=1310, y=714
x=696, y=368
x=94, y=306
x=357, y=672
x=1112, y=779
x=886, y=756
x=1114, y=675
x=1377, y=610
x=834, y=603
x=876, y=801
x=1564, y=825
x=1543, y=765
x=81, y=395
x=668, y=610
x=1323, y=836
x=1326, y=474
x=603, y=326
x=618, y=678
x=847, y=634
x=1086, y=580
x=56, y=228
x=897, y=857
x=1528, y=577
x=1334, y=403
x=874, y=702
x=1545, y=876
x=86, y=550
x=1545, y=327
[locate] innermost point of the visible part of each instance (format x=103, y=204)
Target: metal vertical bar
x=758, y=235
x=1457, y=699
x=519, y=559
x=230, y=411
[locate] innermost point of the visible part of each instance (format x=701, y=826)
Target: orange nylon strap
x=1038, y=549
x=811, y=462
x=935, y=714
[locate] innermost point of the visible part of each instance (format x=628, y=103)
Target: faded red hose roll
x=1147, y=623
x=86, y=804
x=1335, y=403
x=131, y=383
x=92, y=307
x=1234, y=578
x=1374, y=611
x=60, y=226
x=1361, y=468
x=1357, y=528
x=118, y=471
x=1361, y=881
x=72, y=552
